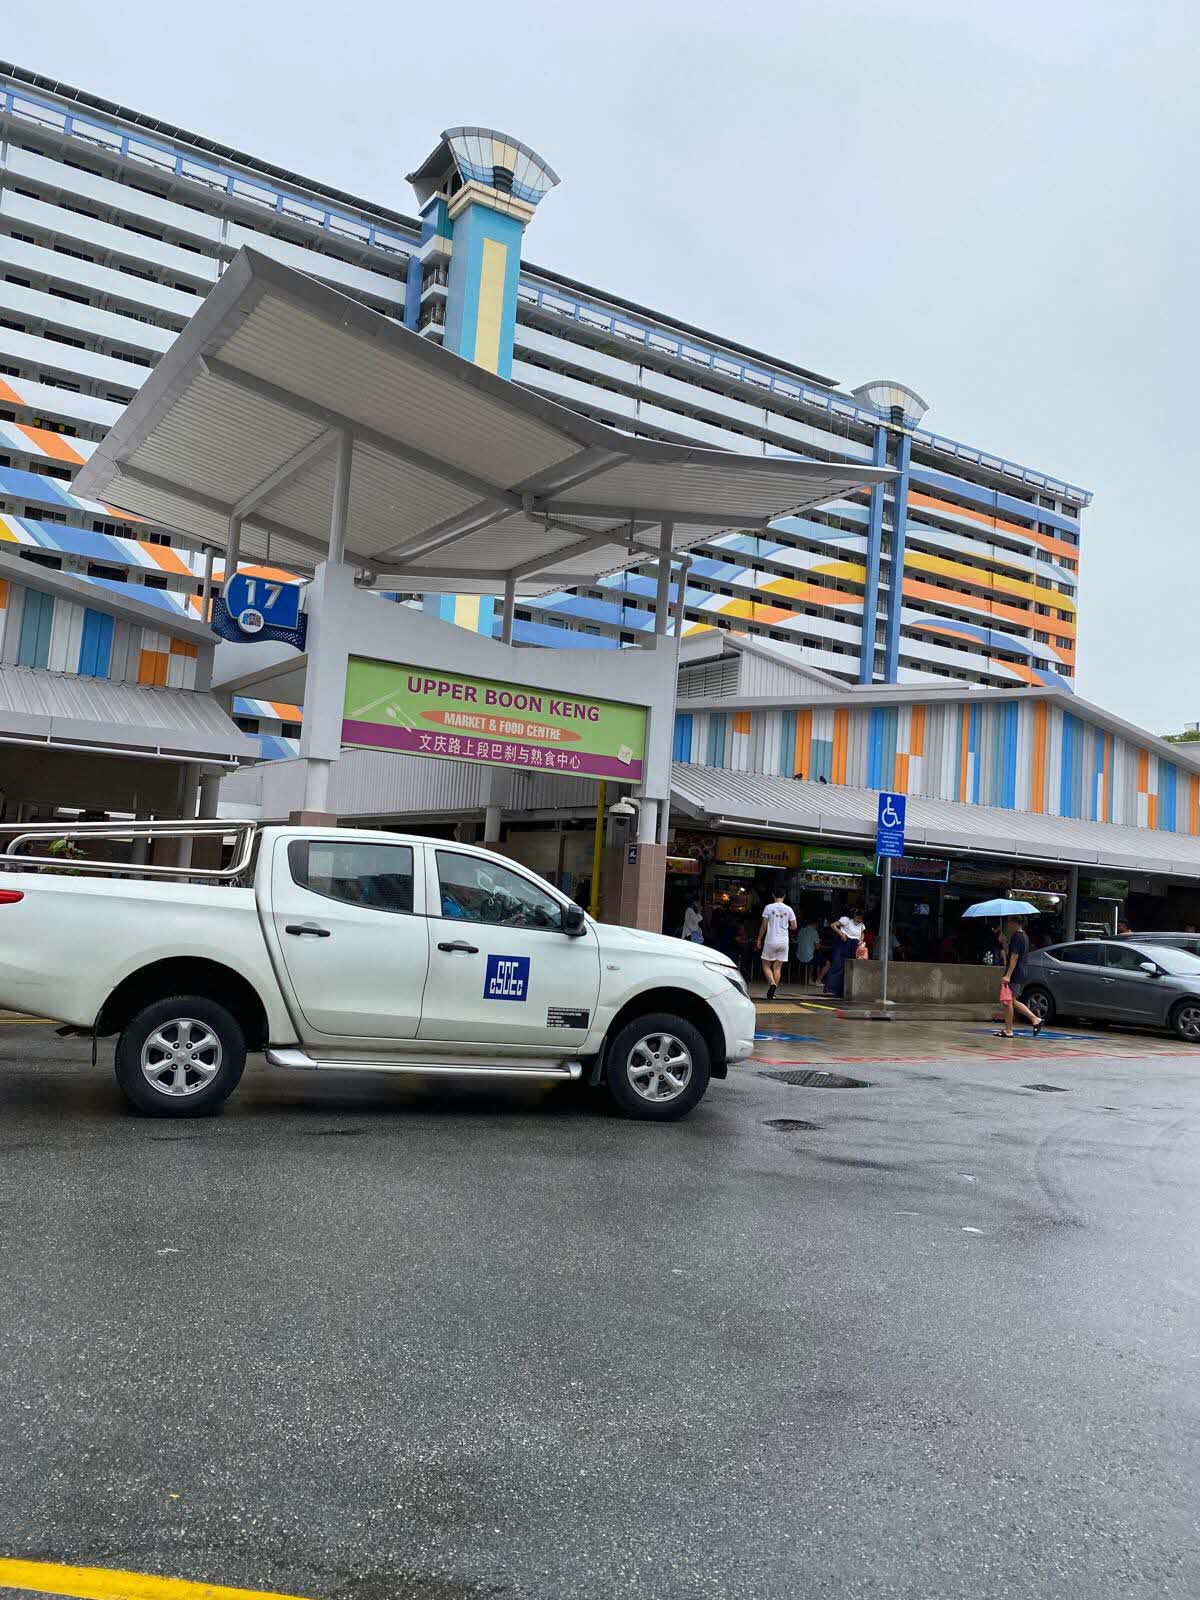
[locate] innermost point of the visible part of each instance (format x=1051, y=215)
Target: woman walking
x=1017, y=949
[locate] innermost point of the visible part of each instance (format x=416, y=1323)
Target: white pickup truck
x=343, y=950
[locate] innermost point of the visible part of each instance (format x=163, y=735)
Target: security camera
x=625, y=807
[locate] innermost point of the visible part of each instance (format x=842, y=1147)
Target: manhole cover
x=1045, y=1088
x=814, y=1078
x=792, y=1125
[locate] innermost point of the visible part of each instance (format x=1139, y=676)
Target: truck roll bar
x=15, y=859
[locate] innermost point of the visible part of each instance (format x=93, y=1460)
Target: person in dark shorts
x=1013, y=980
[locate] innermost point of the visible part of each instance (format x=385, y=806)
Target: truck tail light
x=9, y=897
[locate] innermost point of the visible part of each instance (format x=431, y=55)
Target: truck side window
x=378, y=877
x=481, y=891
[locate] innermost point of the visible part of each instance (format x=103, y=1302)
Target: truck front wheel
x=657, y=1067
x=180, y=1057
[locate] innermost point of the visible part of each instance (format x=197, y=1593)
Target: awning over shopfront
x=66, y=711
x=282, y=397
x=750, y=801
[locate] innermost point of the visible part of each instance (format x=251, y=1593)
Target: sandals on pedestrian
x=1000, y=1033
x=1037, y=1028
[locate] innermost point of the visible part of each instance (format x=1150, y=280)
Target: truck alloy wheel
x=657, y=1067
x=180, y=1057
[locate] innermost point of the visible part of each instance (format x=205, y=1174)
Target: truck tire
x=181, y=1057
x=657, y=1067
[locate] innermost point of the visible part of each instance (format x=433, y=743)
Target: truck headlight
x=730, y=974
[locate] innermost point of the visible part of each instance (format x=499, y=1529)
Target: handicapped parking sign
x=889, y=831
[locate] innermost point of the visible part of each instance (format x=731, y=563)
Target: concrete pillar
x=662, y=597
x=210, y=794
x=1071, y=914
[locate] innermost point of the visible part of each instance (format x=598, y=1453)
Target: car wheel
x=1185, y=1019
x=1041, y=1002
x=657, y=1067
x=181, y=1057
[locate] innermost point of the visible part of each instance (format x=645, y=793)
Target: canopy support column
x=510, y=605
x=662, y=598
x=339, y=516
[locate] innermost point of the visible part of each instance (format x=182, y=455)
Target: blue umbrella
x=1002, y=908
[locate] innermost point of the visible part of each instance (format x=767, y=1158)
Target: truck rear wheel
x=657, y=1067
x=181, y=1057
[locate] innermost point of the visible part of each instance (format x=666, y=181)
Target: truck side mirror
x=573, y=921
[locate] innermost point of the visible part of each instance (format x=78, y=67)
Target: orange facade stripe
x=802, y=760
x=900, y=776
x=51, y=444
x=964, y=752
x=841, y=741
x=918, y=589
x=181, y=647
x=1037, y=799
x=1044, y=540
x=916, y=735
x=3, y=594
x=1194, y=804
x=121, y=516
x=1152, y=811
x=9, y=394
x=163, y=556
x=1143, y=776
x=152, y=668
x=1018, y=670
x=741, y=722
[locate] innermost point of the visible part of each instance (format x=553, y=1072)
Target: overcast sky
x=991, y=200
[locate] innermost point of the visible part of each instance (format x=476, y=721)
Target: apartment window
x=98, y=569
x=290, y=730
x=41, y=559
x=65, y=294
x=61, y=383
x=7, y=322
x=64, y=338
x=22, y=283
x=24, y=238
x=246, y=724
x=65, y=250
x=155, y=580
x=41, y=514
x=46, y=469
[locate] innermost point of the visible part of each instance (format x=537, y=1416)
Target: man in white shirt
x=778, y=919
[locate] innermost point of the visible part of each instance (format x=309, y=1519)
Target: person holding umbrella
x=1016, y=948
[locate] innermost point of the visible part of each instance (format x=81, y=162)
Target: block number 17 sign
x=257, y=603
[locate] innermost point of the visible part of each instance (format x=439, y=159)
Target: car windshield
x=1170, y=959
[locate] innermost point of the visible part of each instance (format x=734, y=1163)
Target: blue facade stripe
x=683, y=737
x=887, y=754
x=1167, y=791
x=874, y=748
x=1008, y=790
x=896, y=579
x=95, y=646
x=973, y=748
x=822, y=760
x=866, y=657
x=994, y=500
x=37, y=619
x=716, y=738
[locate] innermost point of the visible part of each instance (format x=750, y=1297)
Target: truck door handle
x=307, y=927
x=460, y=945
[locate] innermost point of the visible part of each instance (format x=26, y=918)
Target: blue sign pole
x=889, y=845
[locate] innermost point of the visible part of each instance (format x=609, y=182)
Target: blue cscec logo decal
x=507, y=978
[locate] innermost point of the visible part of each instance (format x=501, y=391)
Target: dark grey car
x=1111, y=980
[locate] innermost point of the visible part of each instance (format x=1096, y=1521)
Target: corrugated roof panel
x=754, y=799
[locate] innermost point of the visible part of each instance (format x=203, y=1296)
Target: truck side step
x=562, y=1071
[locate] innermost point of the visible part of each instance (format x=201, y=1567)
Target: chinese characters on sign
x=447, y=715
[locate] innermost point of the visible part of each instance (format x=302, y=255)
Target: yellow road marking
x=98, y=1583
x=17, y=1022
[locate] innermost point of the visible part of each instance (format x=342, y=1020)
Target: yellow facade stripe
x=99, y=1583
x=491, y=305
x=919, y=562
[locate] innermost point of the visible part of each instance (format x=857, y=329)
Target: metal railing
x=222, y=180
x=617, y=326
x=13, y=859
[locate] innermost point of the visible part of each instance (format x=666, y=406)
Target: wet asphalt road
x=357, y=1340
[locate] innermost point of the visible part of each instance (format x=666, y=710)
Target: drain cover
x=814, y=1078
x=792, y=1125
x=1045, y=1088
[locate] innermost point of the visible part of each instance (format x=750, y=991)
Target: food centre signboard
x=424, y=712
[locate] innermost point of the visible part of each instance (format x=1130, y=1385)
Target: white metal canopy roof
x=460, y=479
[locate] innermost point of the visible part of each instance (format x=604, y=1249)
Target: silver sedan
x=1103, y=980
